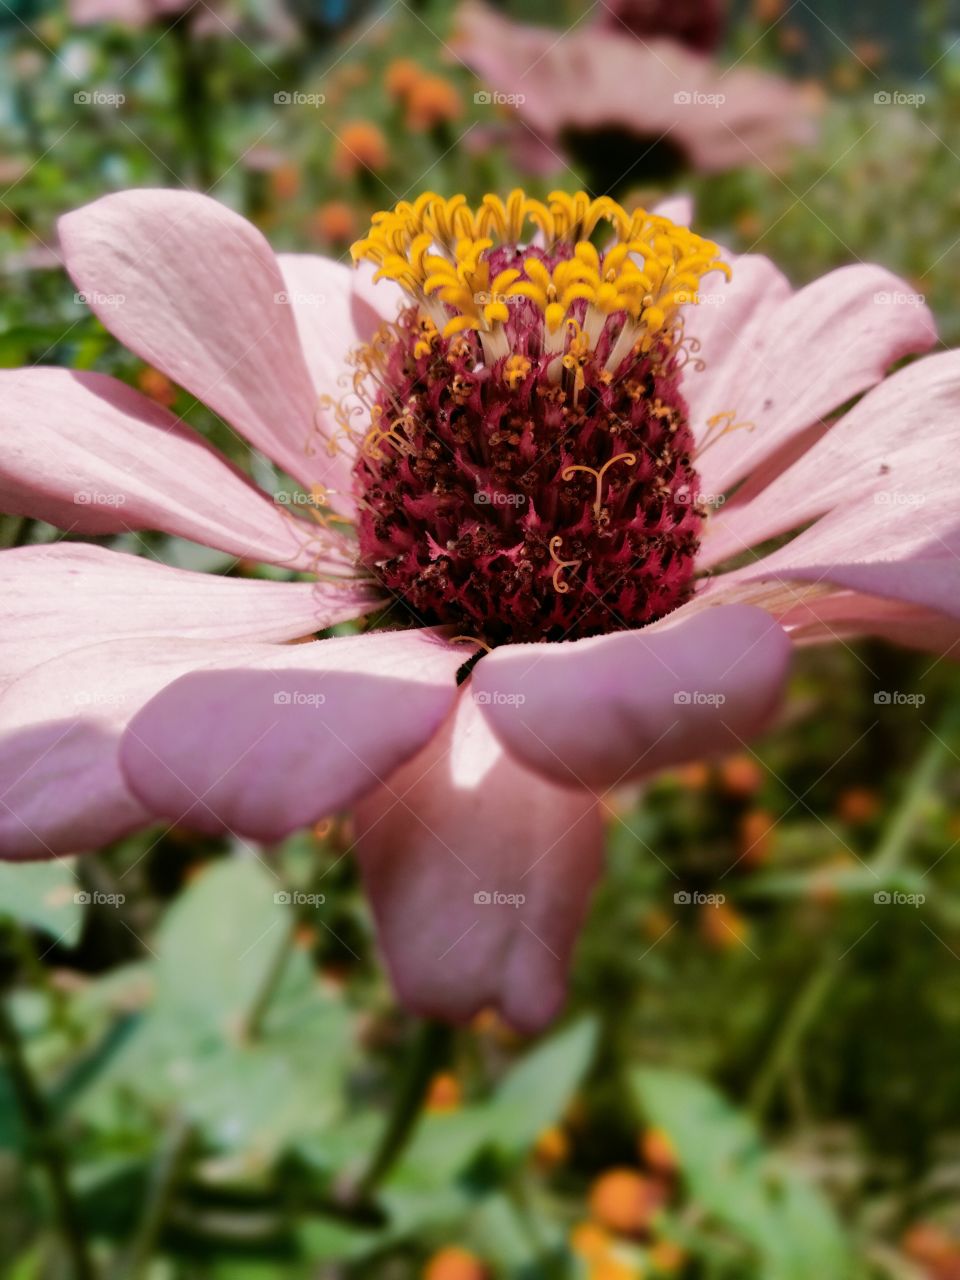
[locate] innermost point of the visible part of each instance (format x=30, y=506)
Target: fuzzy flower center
x=527, y=473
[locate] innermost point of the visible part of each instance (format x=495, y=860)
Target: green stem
x=428, y=1054
x=253, y=1026
x=47, y=1148
x=163, y=1183
x=194, y=98
x=890, y=852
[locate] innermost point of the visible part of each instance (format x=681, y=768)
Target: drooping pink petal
x=91, y=455
x=269, y=747
x=839, y=616
x=196, y=290
x=898, y=443
x=588, y=78
x=799, y=357
x=61, y=788
x=610, y=709
x=479, y=873
x=67, y=595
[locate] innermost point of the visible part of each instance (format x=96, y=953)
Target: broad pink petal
x=91, y=455
x=61, y=788
x=611, y=709
x=266, y=748
x=796, y=362
x=892, y=449
x=459, y=821
x=195, y=290
x=71, y=594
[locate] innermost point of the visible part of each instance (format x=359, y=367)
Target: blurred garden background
x=204, y=1073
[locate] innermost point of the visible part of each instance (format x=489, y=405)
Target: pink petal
x=333, y=320
x=796, y=361
x=62, y=597
x=870, y=456
x=266, y=748
x=462, y=819
x=88, y=453
x=61, y=788
x=607, y=710
x=840, y=616
x=193, y=288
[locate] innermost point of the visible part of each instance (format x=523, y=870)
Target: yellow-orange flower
x=624, y=1201
x=455, y=1264
x=335, y=221
x=444, y=1093
x=432, y=100
x=360, y=145
x=402, y=74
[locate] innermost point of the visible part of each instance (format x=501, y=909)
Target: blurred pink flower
x=134, y=692
x=591, y=77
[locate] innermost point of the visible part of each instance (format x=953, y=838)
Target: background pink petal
x=267, y=748
x=607, y=710
x=458, y=824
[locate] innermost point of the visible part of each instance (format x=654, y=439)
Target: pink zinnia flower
x=596, y=77
x=521, y=480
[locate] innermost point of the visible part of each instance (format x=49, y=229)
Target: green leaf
x=44, y=896
x=776, y=1212
x=536, y=1093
